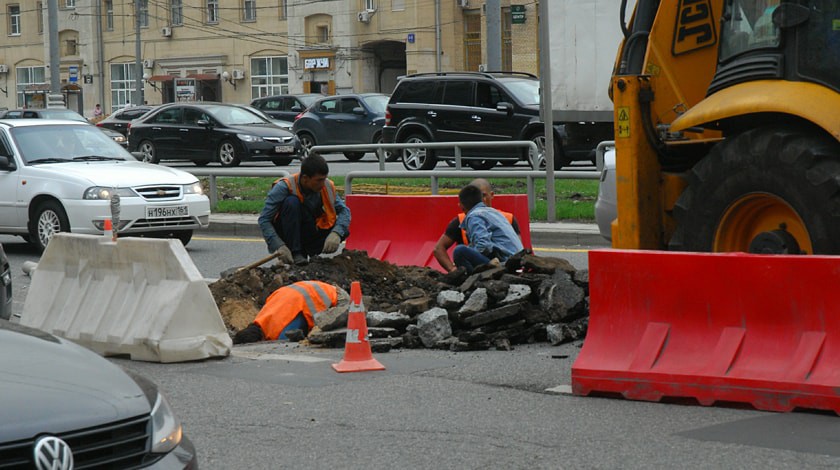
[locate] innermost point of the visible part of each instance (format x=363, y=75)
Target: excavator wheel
x=767, y=190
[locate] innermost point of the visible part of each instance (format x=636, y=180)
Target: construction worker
x=303, y=214
x=490, y=234
x=292, y=307
x=454, y=234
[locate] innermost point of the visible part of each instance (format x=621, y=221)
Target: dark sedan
x=5, y=286
x=66, y=407
x=343, y=119
x=59, y=113
x=120, y=120
x=285, y=107
x=207, y=132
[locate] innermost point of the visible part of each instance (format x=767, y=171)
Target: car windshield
x=526, y=91
x=62, y=114
x=376, y=103
x=235, y=116
x=49, y=144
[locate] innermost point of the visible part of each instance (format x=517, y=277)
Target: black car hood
x=262, y=130
x=50, y=385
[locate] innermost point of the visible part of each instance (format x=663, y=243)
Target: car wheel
x=147, y=148
x=354, y=156
x=282, y=161
x=389, y=155
x=50, y=218
x=201, y=162
x=418, y=158
x=307, y=142
x=481, y=164
x=227, y=154
x=537, y=162
x=184, y=235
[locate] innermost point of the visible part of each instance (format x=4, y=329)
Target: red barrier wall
x=404, y=229
x=763, y=330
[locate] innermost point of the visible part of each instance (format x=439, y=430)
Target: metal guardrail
x=213, y=173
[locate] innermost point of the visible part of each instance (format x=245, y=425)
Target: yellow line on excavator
x=260, y=240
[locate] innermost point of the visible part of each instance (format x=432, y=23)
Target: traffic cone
x=357, y=354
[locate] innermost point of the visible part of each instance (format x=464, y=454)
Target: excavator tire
x=776, y=182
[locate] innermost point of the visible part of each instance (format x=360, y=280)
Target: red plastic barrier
x=763, y=330
x=404, y=229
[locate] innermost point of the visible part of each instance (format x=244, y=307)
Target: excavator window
x=748, y=25
x=819, y=49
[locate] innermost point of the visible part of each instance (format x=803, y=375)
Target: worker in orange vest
x=292, y=307
x=303, y=215
x=454, y=234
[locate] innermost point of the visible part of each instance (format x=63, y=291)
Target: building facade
x=237, y=50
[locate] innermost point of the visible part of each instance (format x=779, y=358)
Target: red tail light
x=388, y=116
x=98, y=124
x=299, y=115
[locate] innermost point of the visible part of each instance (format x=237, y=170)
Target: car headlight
x=166, y=429
x=194, y=188
x=119, y=138
x=249, y=138
x=104, y=193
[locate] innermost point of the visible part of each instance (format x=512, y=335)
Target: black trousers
x=296, y=226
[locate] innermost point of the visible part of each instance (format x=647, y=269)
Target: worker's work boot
x=301, y=259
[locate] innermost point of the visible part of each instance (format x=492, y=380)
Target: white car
x=605, y=205
x=58, y=176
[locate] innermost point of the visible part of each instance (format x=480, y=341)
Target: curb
x=551, y=234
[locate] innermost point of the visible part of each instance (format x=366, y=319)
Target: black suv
x=476, y=106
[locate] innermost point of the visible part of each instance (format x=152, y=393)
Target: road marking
x=276, y=357
x=561, y=389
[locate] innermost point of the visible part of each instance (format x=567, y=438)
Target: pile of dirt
x=384, y=285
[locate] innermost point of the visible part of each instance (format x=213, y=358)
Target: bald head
x=486, y=190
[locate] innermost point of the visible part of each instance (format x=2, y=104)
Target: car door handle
x=431, y=114
x=476, y=118
x=156, y=128
x=184, y=130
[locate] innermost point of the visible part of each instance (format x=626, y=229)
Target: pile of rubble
x=528, y=299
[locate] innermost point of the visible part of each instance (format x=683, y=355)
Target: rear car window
x=458, y=93
x=415, y=91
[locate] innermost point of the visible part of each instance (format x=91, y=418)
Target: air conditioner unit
x=463, y=3
x=364, y=16
x=166, y=31
x=4, y=68
x=148, y=63
x=237, y=74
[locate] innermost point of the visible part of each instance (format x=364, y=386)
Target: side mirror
x=505, y=107
x=6, y=164
x=203, y=123
x=296, y=108
x=359, y=111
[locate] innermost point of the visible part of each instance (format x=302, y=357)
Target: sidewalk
x=553, y=233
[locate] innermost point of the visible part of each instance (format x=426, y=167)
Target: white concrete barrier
x=141, y=297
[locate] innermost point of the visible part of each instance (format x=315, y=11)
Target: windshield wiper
x=95, y=158
x=48, y=160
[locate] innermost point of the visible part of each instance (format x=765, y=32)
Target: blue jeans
x=469, y=258
x=296, y=226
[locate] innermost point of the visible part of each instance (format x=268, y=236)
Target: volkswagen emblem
x=51, y=453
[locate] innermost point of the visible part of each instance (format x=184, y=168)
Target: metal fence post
x=214, y=196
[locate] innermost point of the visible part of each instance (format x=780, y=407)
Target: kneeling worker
x=292, y=307
x=489, y=232
x=304, y=215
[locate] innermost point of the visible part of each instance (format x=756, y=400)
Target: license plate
x=167, y=211
x=284, y=149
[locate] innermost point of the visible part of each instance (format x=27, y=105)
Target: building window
x=109, y=15
x=25, y=78
x=397, y=5
x=269, y=76
x=472, y=40
x=122, y=85
x=212, y=11
x=177, y=13
x=69, y=3
x=323, y=33
x=507, y=41
x=370, y=4
x=14, y=20
x=39, y=10
x=70, y=47
x=249, y=10
x=284, y=9
x=144, y=13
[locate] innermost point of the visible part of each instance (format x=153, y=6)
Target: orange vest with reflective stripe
x=461, y=216
x=326, y=220
x=284, y=304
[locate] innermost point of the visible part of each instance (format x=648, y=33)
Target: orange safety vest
x=284, y=304
x=466, y=241
x=326, y=220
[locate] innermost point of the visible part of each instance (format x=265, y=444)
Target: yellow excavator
x=727, y=126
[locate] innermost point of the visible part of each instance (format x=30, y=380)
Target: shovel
x=259, y=262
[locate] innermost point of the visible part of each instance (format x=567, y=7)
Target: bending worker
x=303, y=215
x=454, y=234
x=292, y=307
x=491, y=235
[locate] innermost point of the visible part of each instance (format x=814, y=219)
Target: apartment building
x=237, y=50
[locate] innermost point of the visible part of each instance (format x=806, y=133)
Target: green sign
x=517, y=14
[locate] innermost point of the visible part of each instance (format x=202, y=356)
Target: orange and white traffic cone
x=357, y=354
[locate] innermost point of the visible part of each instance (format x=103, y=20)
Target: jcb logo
x=695, y=26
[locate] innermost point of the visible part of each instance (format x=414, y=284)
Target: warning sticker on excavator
x=624, y=122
